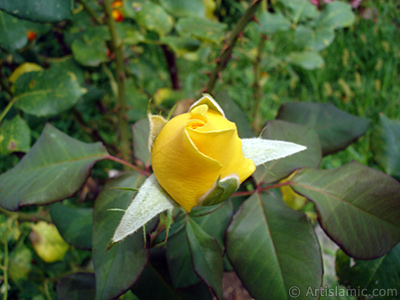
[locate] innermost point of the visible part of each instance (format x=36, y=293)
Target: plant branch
x=116, y=48
x=125, y=163
x=172, y=67
x=8, y=107
x=29, y=217
x=257, y=119
x=90, y=11
x=227, y=49
x=5, y=270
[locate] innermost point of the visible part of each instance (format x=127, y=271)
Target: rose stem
x=227, y=49
x=116, y=48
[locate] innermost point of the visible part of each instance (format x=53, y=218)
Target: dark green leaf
x=235, y=114
x=179, y=261
x=140, y=132
x=336, y=15
x=385, y=144
x=336, y=129
x=124, y=189
x=307, y=60
x=206, y=257
x=289, y=132
x=202, y=29
x=12, y=32
x=382, y=274
x=357, y=206
x=54, y=169
x=74, y=224
x=46, y=93
x=136, y=100
x=271, y=23
x=78, y=286
x=39, y=10
x=118, y=268
x=15, y=136
x=154, y=18
x=216, y=222
x=184, y=8
x=274, y=249
x=89, y=50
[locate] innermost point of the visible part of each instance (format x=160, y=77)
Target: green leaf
x=129, y=33
x=89, y=49
x=74, y=224
x=385, y=144
x=301, y=9
x=78, y=286
x=128, y=257
x=184, y=8
x=140, y=132
x=12, y=32
x=181, y=45
x=336, y=129
x=154, y=18
x=358, y=207
x=214, y=221
x=39, y=10
x=136, y=100
x=381, y=274
x=179, y=261
x=155, y=283
x=274, y=249
x=15, y=136
x=67, y=63
x=46, y=93
x=235, y=114
x=54, y=169
x=202, y=29
x=206, y=257
x=308, y=60
x=285, y=131
x=271, y=23
x=316, y=40
x=336, y=15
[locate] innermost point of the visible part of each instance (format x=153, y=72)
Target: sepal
x=156, y=124
x=261, y=151
x=221, y=191
x=150, y=201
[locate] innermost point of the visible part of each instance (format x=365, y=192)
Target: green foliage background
x=324, y=77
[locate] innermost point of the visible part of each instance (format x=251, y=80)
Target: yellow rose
x=197, y=156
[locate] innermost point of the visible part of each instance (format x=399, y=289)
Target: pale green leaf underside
x=150, y=201
x=261, y=151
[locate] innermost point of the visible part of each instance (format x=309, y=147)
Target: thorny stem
x=90, y=12
x=30, y=217
x=260, y=189
x=227, y=49
x=172, y=67
x=116, y=48
x=125, y=163
x=257, y=119
x=5, y=269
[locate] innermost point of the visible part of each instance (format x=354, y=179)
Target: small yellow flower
x=195, y=152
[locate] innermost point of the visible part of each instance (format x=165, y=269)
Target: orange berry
x=30, y=35
x=116, y=4
x=117, y=15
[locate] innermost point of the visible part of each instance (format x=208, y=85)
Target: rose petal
x=181, y=169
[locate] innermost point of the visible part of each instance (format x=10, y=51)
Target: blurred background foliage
x=345, y=53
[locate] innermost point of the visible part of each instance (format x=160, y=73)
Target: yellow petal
x=180, y=168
